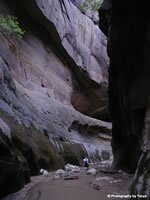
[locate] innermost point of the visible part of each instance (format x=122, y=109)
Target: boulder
x=91, y=171
x=60, y=172
x=72, y=168
x=44, y=172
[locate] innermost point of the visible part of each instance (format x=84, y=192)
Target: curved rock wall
x=83, y=46
x=55, y=68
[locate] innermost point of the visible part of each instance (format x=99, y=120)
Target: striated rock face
x=82, y=40
x=86, y=48
x=58, y=69
x=129, y=90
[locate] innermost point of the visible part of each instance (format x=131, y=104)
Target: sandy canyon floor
x=106, y=184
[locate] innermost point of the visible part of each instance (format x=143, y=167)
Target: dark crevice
x=129, y=89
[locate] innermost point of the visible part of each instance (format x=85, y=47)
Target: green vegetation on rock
x=93, y=5
x=10, y=25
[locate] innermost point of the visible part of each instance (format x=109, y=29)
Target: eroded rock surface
x=84, y=48
x=58, y=66
x=129, y=90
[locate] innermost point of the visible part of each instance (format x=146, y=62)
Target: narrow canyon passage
x=74, y=84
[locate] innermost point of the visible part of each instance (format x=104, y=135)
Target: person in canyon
x=86, y=163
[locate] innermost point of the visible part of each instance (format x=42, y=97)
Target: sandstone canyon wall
x=52, y=82
x=129, y=72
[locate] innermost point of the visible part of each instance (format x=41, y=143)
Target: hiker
x=86, y=163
